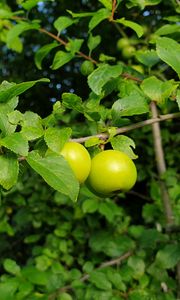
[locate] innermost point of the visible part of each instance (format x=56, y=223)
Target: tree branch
x=124, y=129
x=161, y=166
x=113, y=10
x=116, y=261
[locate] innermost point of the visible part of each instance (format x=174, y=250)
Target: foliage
x=58, y=239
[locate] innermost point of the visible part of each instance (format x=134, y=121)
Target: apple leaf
x=99, y=77
x=169, y=51
x=9, y=170
x=55, y=170
x=56, y=138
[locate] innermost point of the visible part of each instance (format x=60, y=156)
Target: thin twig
x=113, y=10
x=124, y=129
x=64, y=43
x=113, y=262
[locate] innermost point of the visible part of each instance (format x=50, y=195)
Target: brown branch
x=124, y=129
x=113, y=10
x=113, y=262
x=64, y=43
x=129, y=76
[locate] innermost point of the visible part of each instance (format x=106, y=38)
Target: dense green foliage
x=72, y=69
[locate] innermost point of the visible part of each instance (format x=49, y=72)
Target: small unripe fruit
x=78, y=158
x=87, y=67
x=121, y=43
x=128, y=52
x=111, y=171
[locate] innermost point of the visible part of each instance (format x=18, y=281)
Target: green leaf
x=98, y=17
x=32, y=126
x=134, y=26
x=109, y=210
x=17, y=89
x=106, y=3
x=92, y=142
x=138, y=265
x=5, y=125
x=90, y=206
x=19, y=29
x=16, y=142
x=29, y=4
x=8, y=289
x=74, y=45
x=169, y=51
x=168, y=29
x=72, y=101
x=43, y=52
x=56, y=138
x=35, y=276
x=11, y=266
x=9, y=170
x=93, y=42
x=132, y=105
x=116, y=280
x=99, y=77
x=100, y=280
x=15, y=117
x=80, y=15
x=60, y=59
x=142, y=3
x=148, y=58
x=178, y=98
x=124, y=144
x=56, y=172
x=158, y=90
x=62, y=23
x=169, y=256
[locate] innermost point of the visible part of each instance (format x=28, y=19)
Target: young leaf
x=60, y=59
x=5, y=126
x=17, y=89
x=43, y=52
x=16, y=142
x=132, y=105
x=168, y=29
x=169, y=51
x=98, y=17
x=31, y=126
x=19, y=29
x=106, y=3
x=90, y=206
x=56, y=172
x=99, y=77
x=134, y=26
x=74, y=45
x=62, y=23
x=80, y=15
x=72, y=101
x=11, y=266
x=100, y=280
x=93, y=42
x=148, y=58
x=9, y=170
x=124, y=144
x=168, y=256
x=29, y=4
x=156, y=89
x=56, y=138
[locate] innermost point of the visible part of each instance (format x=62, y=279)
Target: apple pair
x=108, y=171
